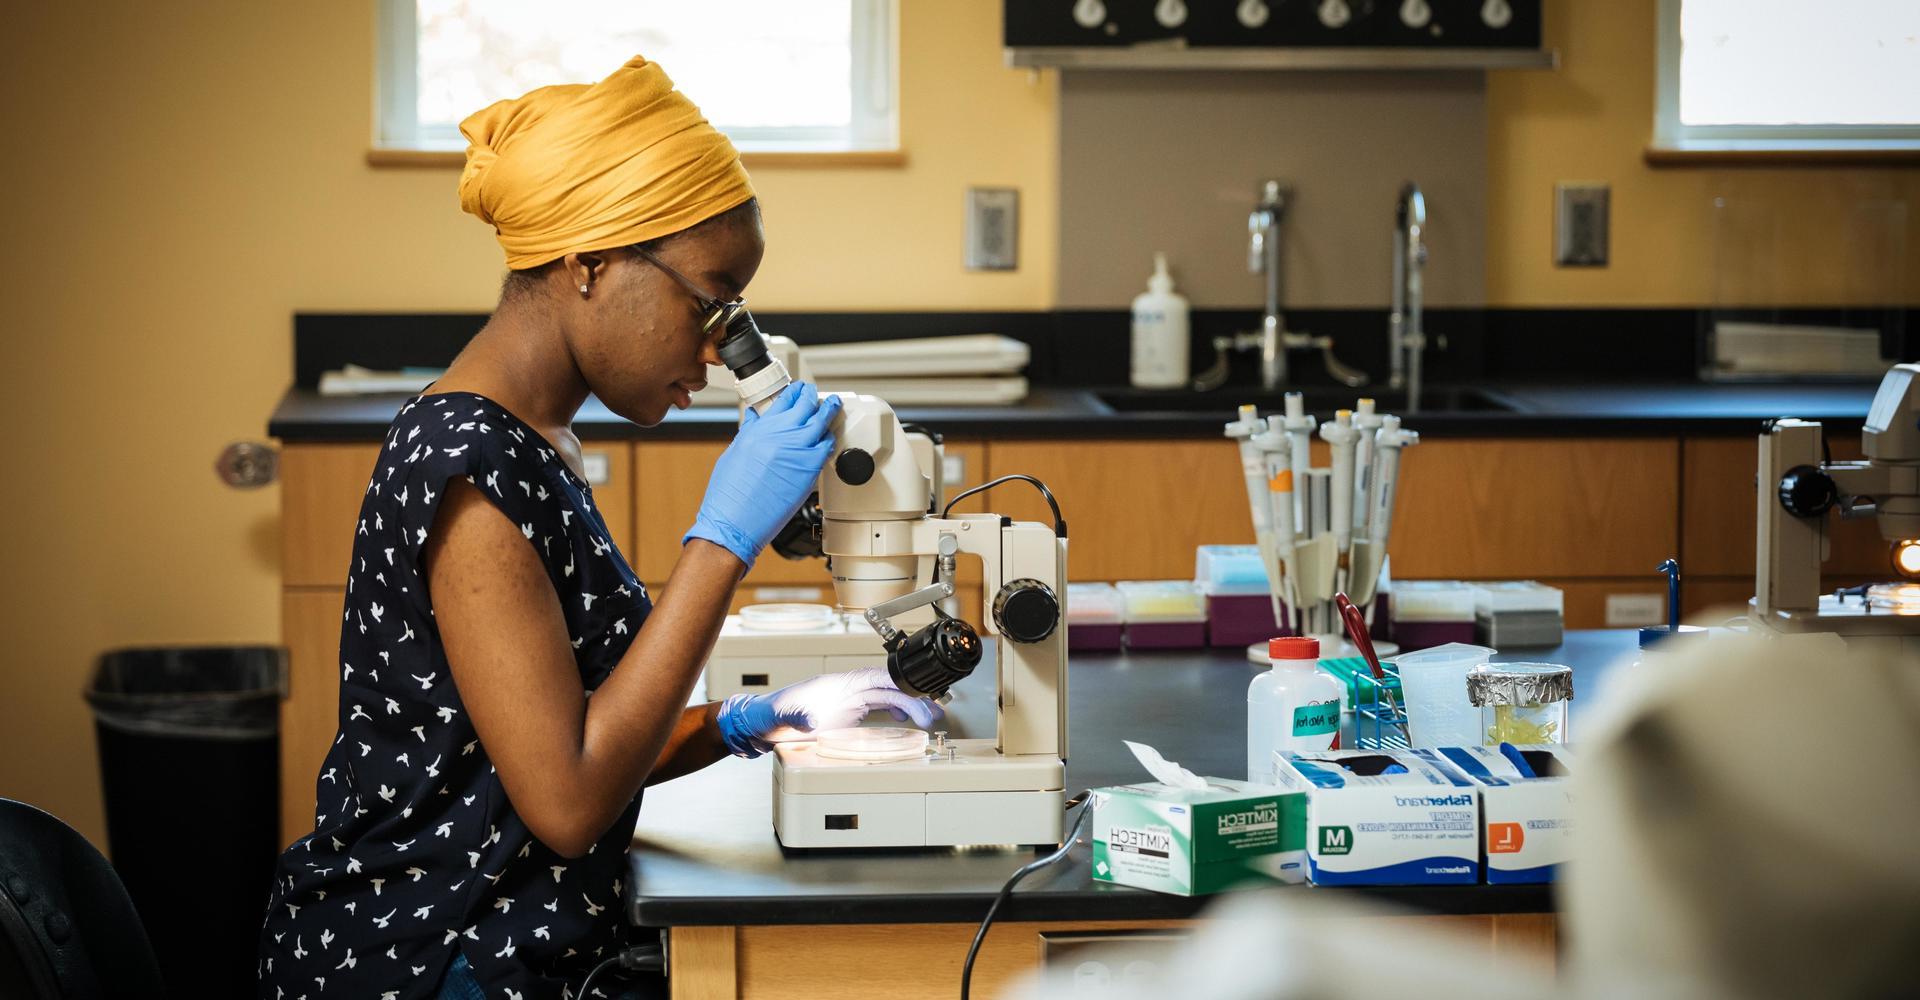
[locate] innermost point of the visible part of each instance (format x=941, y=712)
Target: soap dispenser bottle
x=1159, y=332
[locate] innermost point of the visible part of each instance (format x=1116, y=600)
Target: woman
x=507, y=687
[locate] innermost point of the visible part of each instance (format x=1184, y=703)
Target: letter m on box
x=1336, y=840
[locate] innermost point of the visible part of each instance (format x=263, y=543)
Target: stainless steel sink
x=1320, y=400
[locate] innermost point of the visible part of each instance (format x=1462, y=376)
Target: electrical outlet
x=993, y=229
x=1634, y=610
x=1580, y=225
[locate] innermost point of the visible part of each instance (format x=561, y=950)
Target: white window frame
x=875, y=125
x=1670, y=134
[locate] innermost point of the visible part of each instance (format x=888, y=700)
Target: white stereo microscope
x=1798, y=488
x=891, y=555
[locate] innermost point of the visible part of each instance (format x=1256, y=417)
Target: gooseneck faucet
x=1263, y=258
x=1273, y=340
x=1406, y=338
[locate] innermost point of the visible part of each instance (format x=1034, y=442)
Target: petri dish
x=871, y=744
x=787, y=617
x=1899, y=598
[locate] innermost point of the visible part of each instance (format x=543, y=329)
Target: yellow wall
x=181, y=178
x=1806, y=235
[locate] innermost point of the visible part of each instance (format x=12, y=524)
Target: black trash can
x=190, y=767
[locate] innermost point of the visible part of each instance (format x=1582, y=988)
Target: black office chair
x=68, y=931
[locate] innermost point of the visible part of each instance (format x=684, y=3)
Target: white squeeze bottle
x=1294, y=706
x=1160, y=332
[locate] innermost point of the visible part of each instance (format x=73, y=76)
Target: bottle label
x=1317, y=718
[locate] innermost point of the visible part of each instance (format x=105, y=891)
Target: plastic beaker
x=1433, y=688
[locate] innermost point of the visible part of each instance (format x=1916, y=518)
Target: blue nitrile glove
x=767, y=472
x=751, y=724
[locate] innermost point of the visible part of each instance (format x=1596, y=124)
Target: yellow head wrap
x=584, y=167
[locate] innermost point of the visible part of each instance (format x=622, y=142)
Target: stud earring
x=583, y=289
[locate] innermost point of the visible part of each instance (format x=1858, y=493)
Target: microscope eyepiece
x=743, y=348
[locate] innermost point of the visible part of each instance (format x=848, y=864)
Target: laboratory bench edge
x=704, y=852
x=1530, y=409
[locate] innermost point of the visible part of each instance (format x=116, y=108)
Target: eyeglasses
x=718, y=313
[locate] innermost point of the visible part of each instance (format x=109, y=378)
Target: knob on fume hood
x=1253, y=13
x=1416, y=14
x=1170, y=13
x=1089, y=13
x=1335, y=13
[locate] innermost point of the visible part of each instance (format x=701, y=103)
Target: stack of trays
x=1239, y=603
x=1519, y=614
x=1163, y=614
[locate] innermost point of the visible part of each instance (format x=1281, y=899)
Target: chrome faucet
x=1406, y=339
x=1263, y=258
x=1273, y=340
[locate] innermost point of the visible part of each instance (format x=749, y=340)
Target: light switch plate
x=993, y=229
x=1634, y=610
x=594, y=463
x=1580, y=224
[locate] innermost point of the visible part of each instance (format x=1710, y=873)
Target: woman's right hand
x=767, y=472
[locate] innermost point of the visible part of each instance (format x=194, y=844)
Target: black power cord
x=640, y=958
x=1059, y=523
x=1006, y=891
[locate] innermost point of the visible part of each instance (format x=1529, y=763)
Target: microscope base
x=1852, y=620
x=980, y=797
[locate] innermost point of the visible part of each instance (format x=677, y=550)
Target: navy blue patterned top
x=416, y=852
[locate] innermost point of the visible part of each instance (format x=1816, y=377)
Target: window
x=1788, y=75
x=789, y=75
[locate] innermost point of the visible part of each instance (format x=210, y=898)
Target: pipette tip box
x=1164, y=614
x=1518, y=614
x=1432, y=613
x=1096, y=618
x=1239, y=603
x=1239, y=621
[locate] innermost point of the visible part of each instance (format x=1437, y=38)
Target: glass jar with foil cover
x=1521, y=703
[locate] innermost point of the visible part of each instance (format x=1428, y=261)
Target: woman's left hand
x=752, y=724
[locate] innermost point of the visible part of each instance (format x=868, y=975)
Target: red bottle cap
x=1293, y=647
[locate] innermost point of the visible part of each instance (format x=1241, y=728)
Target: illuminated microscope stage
x=976, y=796
x=1888, y=612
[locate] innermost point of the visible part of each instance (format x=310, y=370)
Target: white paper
x=1163, y=770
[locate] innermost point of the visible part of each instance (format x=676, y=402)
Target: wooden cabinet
x=1531, y=508
x=1134, y=509
x=748, y=963
x=309, y=718
x=321, y=486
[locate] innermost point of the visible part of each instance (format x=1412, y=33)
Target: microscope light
x=1906, y=557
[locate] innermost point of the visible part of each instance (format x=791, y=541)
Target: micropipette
x=1389, y=441
x=1299, y=426
x=1366, y=421
x=1271, y=440
x=1253, y=469
x=1280, y=494
x=1339, y=435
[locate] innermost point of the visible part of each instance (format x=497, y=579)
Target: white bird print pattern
x=395, y=825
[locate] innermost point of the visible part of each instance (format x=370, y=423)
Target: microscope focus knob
x=1805, y=491
x=1026, y=610
x=854, y=466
